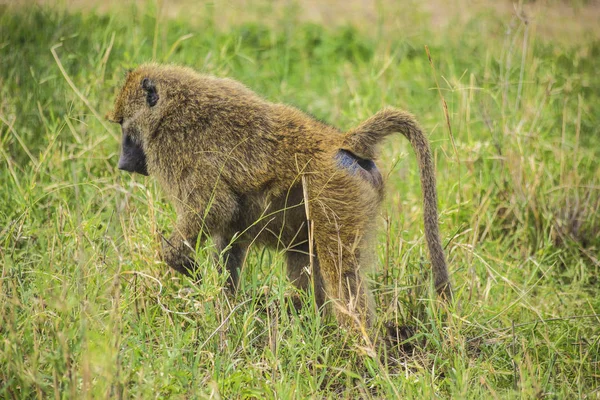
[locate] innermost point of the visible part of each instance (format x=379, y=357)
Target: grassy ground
x=86, y=310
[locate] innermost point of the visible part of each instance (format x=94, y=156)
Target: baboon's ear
x=110, y=117
x=151, y=93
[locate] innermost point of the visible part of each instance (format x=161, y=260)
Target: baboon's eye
x=151, y=93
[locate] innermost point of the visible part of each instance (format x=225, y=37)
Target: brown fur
x=238, y=166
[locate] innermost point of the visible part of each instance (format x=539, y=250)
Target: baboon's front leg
x=178, y=249
x=231, y=256
x=202, y=214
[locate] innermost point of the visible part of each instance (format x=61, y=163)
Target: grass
x=86, y=310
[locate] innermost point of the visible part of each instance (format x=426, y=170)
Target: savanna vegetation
x=87, y=310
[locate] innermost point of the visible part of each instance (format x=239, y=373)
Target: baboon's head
x=138, y=110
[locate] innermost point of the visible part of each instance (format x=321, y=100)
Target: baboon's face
x=135, y=110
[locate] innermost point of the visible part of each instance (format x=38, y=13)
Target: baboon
x=243, y=170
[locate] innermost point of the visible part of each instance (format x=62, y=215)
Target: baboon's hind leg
x=343, y=216
x=300, y=273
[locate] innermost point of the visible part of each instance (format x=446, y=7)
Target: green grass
x=87, y=310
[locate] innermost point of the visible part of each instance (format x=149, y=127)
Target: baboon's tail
x=363, y=141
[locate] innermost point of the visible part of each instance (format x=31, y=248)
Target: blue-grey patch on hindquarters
x=359, y=166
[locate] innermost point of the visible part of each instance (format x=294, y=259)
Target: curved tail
x=363, y=141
